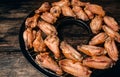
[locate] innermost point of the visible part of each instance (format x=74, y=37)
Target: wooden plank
x=13, y=64
x=12, y=14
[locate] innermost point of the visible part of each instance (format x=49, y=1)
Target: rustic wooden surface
x=12, y=14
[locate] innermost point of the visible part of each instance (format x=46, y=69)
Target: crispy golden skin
x=111, y=33
x=95, y=9
x=47, y=28
x=74, y=68
x=91, y=50
x=55, y=11
x=78, y=3
x=38, y=43
x=110, y=22
x=98, y=62
x=96, y=24
x=111, y=48
x=52, y=41
x=44, y=60
x=29, y=36
x=69, y=52
x=89, y=13
x=48, y=17
x=98, y=39
x=43, y=8
x=67, y=11
x=74, y=64
x=31, y=22
x=61, y=3
x=80, y=13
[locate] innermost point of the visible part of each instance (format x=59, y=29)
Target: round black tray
x=65, y=28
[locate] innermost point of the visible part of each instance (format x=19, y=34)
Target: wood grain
x=12, y=15
x=15, y=65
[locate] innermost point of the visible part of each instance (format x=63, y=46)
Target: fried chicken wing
x=31, y=22
x=78, y=3
x=110, y=22
x=38, y=43
x=43, y=8
x=111, y=33
x=89, y=13
x=91, y=50
x=74, y=68
x=98, y=62
x=80, y=13
x=47, y=28
x=95, y=9
x=48, y=17
x=44, y=60
x=52, y=41
x=111, y=48
x=96, y=24
x=55, y=11
x=61, y=3
x=98, y=39
x=67, y=11
x=69, y=52
x=28, y=36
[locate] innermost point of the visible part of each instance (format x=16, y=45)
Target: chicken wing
x=69, y=52
x=98, y=62
x=55, y=11
x=47, y=28
x=44, y=60
x=61, y=3
x=98, y=39
x=95, y=9
x=111, y=48
x=31, y=22
x=74, y=68
x=89, y=13
x=80, y=13
x=38, y=43
x=110, y=22
x=48, y=17
x=96, y=24
x=111, y=33
x=28, y=36
x=78, y=3
x=43, y=8
x=52, y=41
x=91, y=50
x=67, y=11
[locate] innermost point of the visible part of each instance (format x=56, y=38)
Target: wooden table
x=12, y=14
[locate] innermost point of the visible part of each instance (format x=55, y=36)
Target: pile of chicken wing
x=41, y=35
